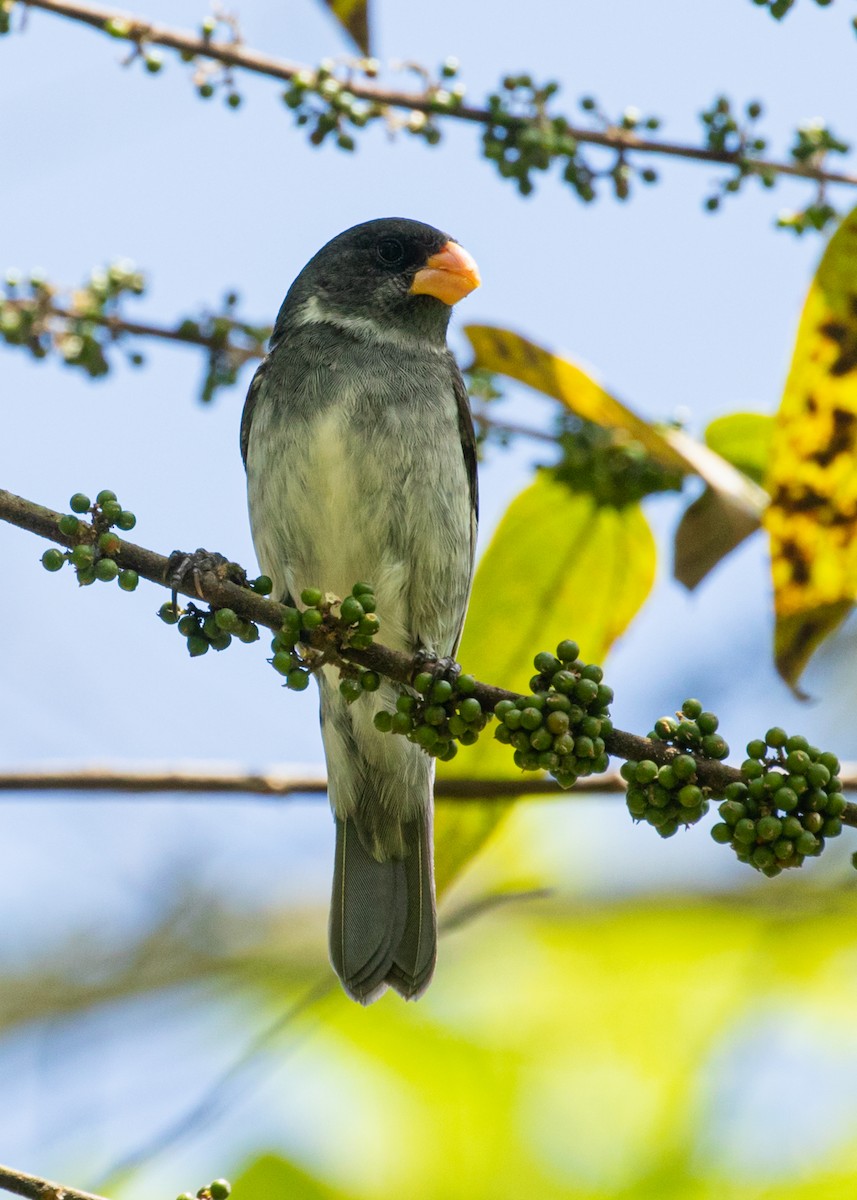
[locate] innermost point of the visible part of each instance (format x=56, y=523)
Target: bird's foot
x=438, y=668
x=185, y=570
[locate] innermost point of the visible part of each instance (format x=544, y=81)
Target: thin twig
x=189, y=783
x=237, y=55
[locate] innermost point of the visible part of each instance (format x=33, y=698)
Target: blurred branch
x=272, y=784
x=219, y=591
x=35, y=1188
x=431, y=101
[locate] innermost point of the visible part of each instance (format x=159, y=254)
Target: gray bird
x=361, y=465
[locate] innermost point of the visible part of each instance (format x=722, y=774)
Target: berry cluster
x=727, y=133
x=78, y=328
x=523, y=137
x=561, y=727
x=93, y=555
x=325, y=103
x=219, y=1189
x=669, y=795
x=609, y=464
x=351, y=621
x=205, y=629
x=790, y=802
x=440, y=715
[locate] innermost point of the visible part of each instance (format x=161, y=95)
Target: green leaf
x=743, y=439
x=557, y=567
x=353, y=16
x=272, y=1176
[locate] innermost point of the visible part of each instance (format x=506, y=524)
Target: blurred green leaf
x=743, y=439
x=559, y=566
x=272, y=1177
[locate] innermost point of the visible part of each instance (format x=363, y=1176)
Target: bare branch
x=235, y=54
x=275, y=784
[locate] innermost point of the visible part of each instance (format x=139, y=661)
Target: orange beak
x=449, y=275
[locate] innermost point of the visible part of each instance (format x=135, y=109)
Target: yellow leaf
x=353, y=15
x=559, y=566
x=812, y=518
x=510, y=354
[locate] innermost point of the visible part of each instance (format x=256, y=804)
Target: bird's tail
x=382, y=914
x=383, y=929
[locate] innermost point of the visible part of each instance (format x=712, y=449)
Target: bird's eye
x=391, y=251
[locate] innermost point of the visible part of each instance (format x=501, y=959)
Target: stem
x=237, y=55
x=221, y=593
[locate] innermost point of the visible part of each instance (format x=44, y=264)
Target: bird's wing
x=253, y=394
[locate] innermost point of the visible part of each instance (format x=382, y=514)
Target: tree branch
x=234, y=54
x=400, y=668
x=274, y=785
x=35, y=1188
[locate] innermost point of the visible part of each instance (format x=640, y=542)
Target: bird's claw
x=186, y=568
x=438, y=668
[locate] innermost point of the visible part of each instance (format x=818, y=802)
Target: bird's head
x=392, y=274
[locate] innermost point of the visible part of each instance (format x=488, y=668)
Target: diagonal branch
x=235, y=54
x=221, y=593
x=35, y=1188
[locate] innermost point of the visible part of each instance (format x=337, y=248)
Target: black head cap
x=367, y=272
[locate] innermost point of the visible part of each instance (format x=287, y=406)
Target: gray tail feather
x=383, y=929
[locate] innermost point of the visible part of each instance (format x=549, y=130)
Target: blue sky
x=673, y=308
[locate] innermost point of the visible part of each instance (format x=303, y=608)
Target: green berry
x=691, y=709
x=545, y=663
x=470, y=710
x=806, y=843
x=684, y=767
x=745, y=831
x=311, y=618
x=128, y=580
x=197, y=645
x=53, y=559
x=768, y=829
x=531, y=718
x=227, y=619
x=106, y=569
x=690, y=796
x=262, y=585
x=350, y=688
x=423, y=682
x=441, y=691
x=220, y=1189
x=757, y=749
x=126, y=520
x=68, y=525
x=567, y=651
x=297, y=680
x=383, y=721
x=776, y=737
x=168, y=613
x=707, y=722
x=721, y=833
x=351, y=610
x=82, y=556
x=370, y=681
x=282, y=662
x=104, y=497
x=732, y=811
x=645, y=772
x=311, y=597
x=79, y=503
x=763, y=856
